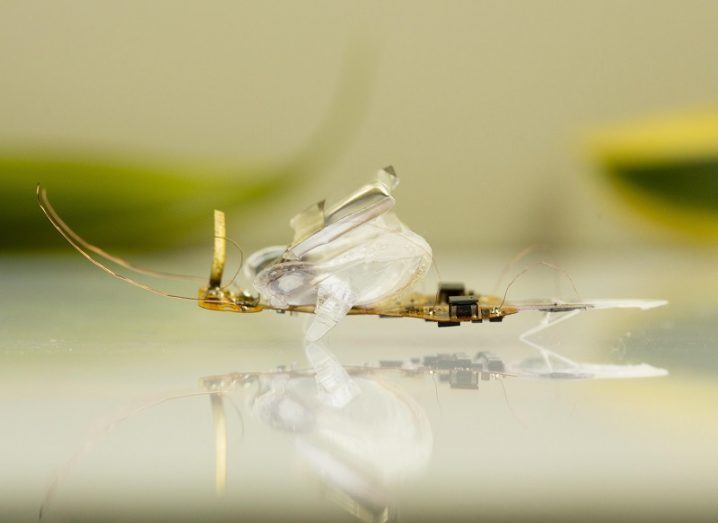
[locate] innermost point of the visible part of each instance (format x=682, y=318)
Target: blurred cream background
x=483, y=107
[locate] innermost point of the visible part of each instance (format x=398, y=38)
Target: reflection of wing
x=318, y=226
x=589, y=371
x=599, y=303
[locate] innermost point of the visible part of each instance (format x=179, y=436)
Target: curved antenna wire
x=533, y=265
x=513, y=261
x=61, y=228
x=78, y=243
x=110, y=257
x=508, y=405
x=241, y=261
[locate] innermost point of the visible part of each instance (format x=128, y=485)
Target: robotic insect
x=354, y=258
x=351, y=258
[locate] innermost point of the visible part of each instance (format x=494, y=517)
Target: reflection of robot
x=361, y=434
x=360, y=451
x=463, y=372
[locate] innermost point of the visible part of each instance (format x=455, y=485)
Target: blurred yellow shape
x=666, y=168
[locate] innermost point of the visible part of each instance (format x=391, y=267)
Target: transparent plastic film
x=363, y=255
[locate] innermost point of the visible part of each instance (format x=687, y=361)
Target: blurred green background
x=140, y=117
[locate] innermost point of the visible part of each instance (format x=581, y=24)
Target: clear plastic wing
x=588, y=371
x=319, y=225
x=596, y=303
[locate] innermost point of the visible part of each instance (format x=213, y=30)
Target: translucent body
x=368, y=264
x=360, y=259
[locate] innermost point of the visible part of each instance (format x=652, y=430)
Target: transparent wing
x=308, y=222
x=598, y=303
x=318, y=225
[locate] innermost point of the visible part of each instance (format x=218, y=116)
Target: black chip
x=448, y=323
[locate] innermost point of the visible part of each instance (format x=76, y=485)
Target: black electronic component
x=464, y=308
x=448, y=323
x=464, y=379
